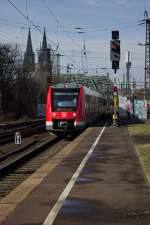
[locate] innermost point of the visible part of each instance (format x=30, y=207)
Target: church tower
x=44, y=56
x=29, y=57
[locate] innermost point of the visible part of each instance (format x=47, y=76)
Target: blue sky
x=98, y=17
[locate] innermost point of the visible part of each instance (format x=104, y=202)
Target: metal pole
x=82, y=60
x=128, y=80
x=128, y=74
x=145, y=64
x=147, y=60
x=115, y=101
x=58, y=67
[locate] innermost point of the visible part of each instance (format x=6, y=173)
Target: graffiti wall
x=140, y=109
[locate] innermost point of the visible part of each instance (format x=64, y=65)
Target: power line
x=26, y=17
x=95, y=29
x=58, y=22
x=109, y=68
x=5, y=36
x=10, y=22
x=34, y=25
x=37, y=28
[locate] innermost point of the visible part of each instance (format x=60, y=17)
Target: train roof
x=67, y=85
x=88, y=91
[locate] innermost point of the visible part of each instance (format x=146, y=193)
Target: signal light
x=114, y=89
x=115, y=34
x=115, y=65
x=115, y=50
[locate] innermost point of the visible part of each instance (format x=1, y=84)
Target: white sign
x=17, y=138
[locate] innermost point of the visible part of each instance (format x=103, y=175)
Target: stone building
x=45, y=62
x=46, y=70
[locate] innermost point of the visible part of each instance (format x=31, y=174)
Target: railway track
x=8, y=131
x=17, y=166
x=7, y=126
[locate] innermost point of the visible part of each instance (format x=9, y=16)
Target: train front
x=61, y=109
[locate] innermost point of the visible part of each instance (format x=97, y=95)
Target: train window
x=64, y=100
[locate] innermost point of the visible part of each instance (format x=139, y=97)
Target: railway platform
x=95, y=180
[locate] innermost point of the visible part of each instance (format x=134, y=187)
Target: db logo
x=64, y=114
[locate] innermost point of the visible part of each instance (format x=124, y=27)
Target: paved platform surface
x=110, y=190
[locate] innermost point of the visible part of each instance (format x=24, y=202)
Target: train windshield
x=64, y=100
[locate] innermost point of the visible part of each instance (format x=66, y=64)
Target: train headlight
x=54, y=114
x=74, y=114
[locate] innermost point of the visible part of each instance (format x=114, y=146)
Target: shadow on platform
x=129, y=121
x=122, y=121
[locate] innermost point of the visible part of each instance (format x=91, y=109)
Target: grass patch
x=143, y=150
x=139, y=129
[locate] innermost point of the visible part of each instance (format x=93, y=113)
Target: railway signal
x=115, y=58
x=115, y=50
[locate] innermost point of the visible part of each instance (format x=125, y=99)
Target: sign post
x=115, y=102
x=115, y=58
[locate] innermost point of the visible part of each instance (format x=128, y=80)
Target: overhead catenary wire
x=5, y=36
x=61, y=25
x=58, y=22
x=53, y=28
x=36, y=27
x=109, y=68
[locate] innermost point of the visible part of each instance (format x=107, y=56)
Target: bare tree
x=17, y=89
x=9, y=56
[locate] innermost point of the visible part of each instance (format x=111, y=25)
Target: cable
x=114, y=25
x=109, y=68
x=28, y=19
x=58, y=22
x=34, y=25
x=5, y=36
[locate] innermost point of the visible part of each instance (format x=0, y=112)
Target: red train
x=70, y=107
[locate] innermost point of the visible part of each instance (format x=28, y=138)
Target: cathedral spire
x=44, y=42
x=29, y=43
x=29, y=58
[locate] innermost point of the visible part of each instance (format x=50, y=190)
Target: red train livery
x=70, y=107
